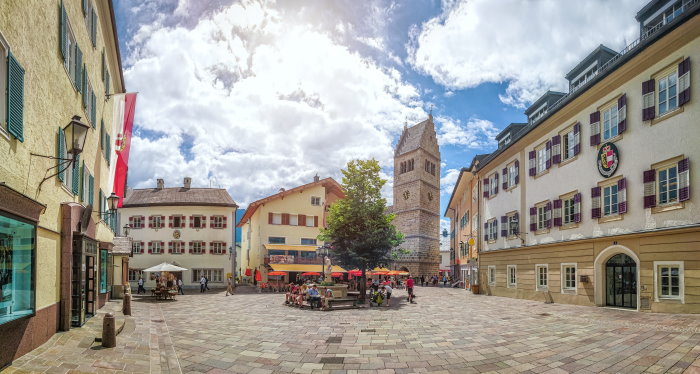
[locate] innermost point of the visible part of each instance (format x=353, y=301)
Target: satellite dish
x=85, y=218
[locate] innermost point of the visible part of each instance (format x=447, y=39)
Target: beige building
x=186, y=226
x=417, y=198
x=602, y=212
x=280, y=231
x=60, y=59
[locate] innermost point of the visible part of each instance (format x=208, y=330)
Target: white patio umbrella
x=164, y=267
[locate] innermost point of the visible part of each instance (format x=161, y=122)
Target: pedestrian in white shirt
x=202, y=283
x=387, y=291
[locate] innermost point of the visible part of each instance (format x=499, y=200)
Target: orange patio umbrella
x=277, y=273
x=310, y=273
x=336, y=275
x=393, y=272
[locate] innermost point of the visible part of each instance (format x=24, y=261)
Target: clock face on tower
x=406, y=194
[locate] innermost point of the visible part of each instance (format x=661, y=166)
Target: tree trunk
x=363, y=287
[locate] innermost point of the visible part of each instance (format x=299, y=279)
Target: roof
x=550, y=97
x=329, y=183
x=178, y=196
x=601, y=54
x=475, y=161
x=513, y=127
x=412, y=137
x=122, y=245
x=651, y=7
x=630, y=52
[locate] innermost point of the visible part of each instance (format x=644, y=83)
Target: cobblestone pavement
x=447, y=331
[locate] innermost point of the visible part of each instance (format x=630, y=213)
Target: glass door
x=621, y=282
x=90, y=285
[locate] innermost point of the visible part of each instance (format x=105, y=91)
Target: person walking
x=206, y=283
x=229, y=286
x=140, y=286
x=444, y=280
x=202, y=283
x=179, y=286
x=409, y=289
x=422, y=280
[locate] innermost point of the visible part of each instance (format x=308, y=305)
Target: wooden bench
x=341, y=301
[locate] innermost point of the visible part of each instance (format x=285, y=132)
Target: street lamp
x=112, y=202
x=74, y=135
x=126, y=229
x=322, y=252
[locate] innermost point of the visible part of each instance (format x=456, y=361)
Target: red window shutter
x=269, y=218
x=504, y=226
x=517, y=173
x=556, y=149
x=170, y=221
x=150, y=247
x=225, y=222
x=684, y=180
x=131, y=221
x=301, y=221
x=191, y=222
x=532, y=157
x=577, y=138
x=204, y=222
x=162, y=221
x=548, y=214
x=315, y=221
x=684, y=82
x=648, y=100
x=285, y=218
x=211, y=247
x=533, y=219
x=649, y=188
x=622, y=114
x=505, y=178
x=595, y=128
x=548, y=147
x=595, y=202
x=486, y=187
x=622, y=196
x=577, y=207
x=557, y=213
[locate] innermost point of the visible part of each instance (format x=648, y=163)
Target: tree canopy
x=358, y=227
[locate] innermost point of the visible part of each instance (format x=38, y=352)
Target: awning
x=380, y=270
x=285, y=247
x=304, y=268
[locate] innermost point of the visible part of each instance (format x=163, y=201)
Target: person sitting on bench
x=314, y=297
x=327, y=297
x=291, y=295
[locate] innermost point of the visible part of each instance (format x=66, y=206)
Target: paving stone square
x=446, y=331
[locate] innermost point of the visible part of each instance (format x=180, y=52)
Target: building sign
x=608, y=159
x=281, y=259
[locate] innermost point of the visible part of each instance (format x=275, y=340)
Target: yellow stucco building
x=60, y=60
x=279, y=232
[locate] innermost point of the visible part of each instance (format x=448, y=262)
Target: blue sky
x=253, y=96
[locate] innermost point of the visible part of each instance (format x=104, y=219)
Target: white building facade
x=190, y=227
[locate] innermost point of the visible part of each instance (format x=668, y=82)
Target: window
x=89, y=101
x=668, y=184
x=513, y=224
x=136, y=222
x=218, y=248
x=541, y=159
x=17, y=267
x=491, y=227
x=294, y=220
x=90, y=21
x=475, y=220
x=493, y=185
x=541, y=217
x=569, y=141
x=492, y=275
x=197, y=222
x=197, y=247
x=217, y=222
x=213, y=275
x=512, y=175
x=156, y=247
x=568, y=210
x=305, y=241
x=310, y=221
x=568, y=277
x=103, y=270
x=669, y=280
x=610, y=122
x=668, y=93
x=276, y=240
x=315, y=200
x=178, y=247
x=137, y=247
x=429, y=167
x=541, y=275
x=157, y=222
x=512, y=276
x=277, y=218
x=135, y=274
x=610, y=200
x=177, y=221
x=72, y=55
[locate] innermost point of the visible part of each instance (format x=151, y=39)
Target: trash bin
x=475, y=289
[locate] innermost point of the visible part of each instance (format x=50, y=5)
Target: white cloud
x=529, y=44
x=448, y=181
x=266, y=100
x=475, y=133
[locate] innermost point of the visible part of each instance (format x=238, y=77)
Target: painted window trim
x=612, y=217
x=567, y=196
x=510, y=215
x=539, y=231
x=660, y=208
x=564, y=289
x=602, y=109
x=563, y=133
x=537, y=277
x=492, y=271
x=681, y=282
x=537, y=160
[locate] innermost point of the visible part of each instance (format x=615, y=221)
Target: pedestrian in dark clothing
x=206, y=283
x=422, y=280
x=202, y=283
x=179, y=287
x=140, y=287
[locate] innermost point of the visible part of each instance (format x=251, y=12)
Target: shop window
x=103, y=270
x=213, y=275
x=17, y=267
x=135, y=274
x=306, y=241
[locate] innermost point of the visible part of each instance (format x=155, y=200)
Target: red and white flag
x=123, y=122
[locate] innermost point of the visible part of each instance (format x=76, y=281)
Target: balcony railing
x=288, y=259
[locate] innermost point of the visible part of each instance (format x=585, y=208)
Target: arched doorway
x=403, y=268
x=621, y=281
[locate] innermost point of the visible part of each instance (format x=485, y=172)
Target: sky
x=254, y=96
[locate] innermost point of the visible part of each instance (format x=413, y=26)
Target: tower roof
x=416, y=136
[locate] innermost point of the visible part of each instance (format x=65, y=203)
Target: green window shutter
x=108, y=149
x=99, y=202
x=91, y=189
x=107, y=85
x=79, y=74
x=15, y=98
x=85, y=6
x=102, y=133
x=93, y=31
x=93, y=109
x=103, y=65
x=62, y=30
x=85, y=87
x=76, y=175
x=81, y=193
x=61, y=148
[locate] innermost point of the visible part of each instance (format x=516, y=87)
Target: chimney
x=281, y=189
x=316, y=178
x=188, y=182
x=160, y=184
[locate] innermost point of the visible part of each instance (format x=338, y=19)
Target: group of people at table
x=297, y=294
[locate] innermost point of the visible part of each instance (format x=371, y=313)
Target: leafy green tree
x=358, y=228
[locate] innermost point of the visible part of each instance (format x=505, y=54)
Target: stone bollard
x=109, y=334
x=126, y=307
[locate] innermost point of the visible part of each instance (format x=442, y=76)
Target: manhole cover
x=332, y=360
x=156, y=320
x=334, y=339
x=368, y=330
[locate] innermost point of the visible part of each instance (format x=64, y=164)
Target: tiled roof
x=412, y=136
x=178, y=196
